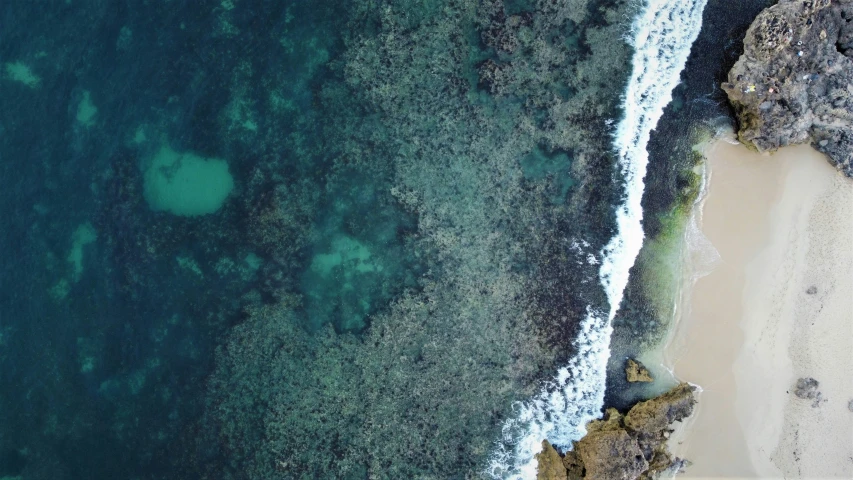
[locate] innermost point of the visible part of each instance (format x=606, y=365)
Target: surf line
x=661, y=34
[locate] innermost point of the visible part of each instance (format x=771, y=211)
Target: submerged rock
x=792, y=85
x=626, y=447
x=637, y=372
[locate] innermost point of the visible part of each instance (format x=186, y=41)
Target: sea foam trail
x=661, y=35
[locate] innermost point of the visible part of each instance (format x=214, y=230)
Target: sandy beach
x=771, y=302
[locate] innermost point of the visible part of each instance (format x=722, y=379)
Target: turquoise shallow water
x=290, y=239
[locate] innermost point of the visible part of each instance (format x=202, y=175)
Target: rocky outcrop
x=611, y=455
x=658, y=414
x=637, y=372
x=550, y=464
x=628, y=447
x=794, y=82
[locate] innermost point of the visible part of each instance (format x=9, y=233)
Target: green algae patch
x=660, y=265
x=186, y=184
x=661, y=259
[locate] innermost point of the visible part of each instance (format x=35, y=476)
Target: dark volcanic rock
x=807, y=390
x=624, y=447
x=794, y=82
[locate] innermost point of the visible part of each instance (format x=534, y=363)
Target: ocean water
x=350, y=239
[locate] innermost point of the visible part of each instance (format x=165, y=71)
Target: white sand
x=748, y=330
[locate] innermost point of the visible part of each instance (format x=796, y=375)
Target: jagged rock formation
x=659, y=413
x=794, y=82
x=637, y=372
x=628, y=447
x=611, y=454
x=550, y=463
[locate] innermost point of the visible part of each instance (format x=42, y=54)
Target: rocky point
x=794, y=82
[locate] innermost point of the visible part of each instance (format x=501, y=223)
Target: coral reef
x=791, y=85
x=510, y=184
x=384, y=404
x=624, y=447
x=412, y=241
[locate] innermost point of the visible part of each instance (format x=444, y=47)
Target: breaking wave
x=661, y=35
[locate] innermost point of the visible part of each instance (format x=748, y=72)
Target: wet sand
x=776, y=305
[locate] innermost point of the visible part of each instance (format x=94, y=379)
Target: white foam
x=661, y=35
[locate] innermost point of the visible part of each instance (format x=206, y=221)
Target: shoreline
x=778, y=225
